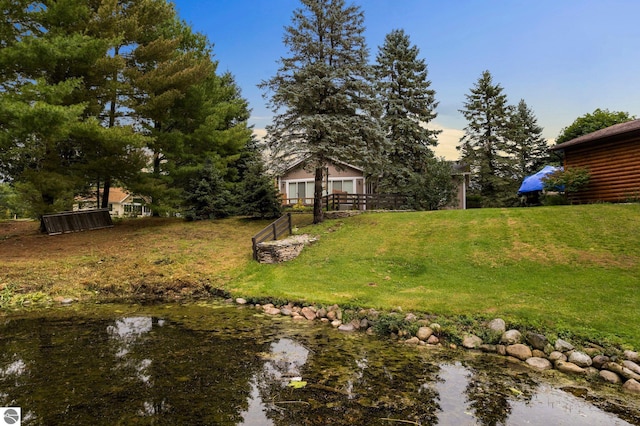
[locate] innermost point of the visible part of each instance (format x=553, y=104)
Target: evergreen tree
x=408, y=106
x=484, y=145
x=322, y=95
x=207, y=196
x=259, y=195
x=529, y=149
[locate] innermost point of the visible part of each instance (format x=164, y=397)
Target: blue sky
x=565, y=58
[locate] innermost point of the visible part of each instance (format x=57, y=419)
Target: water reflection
x=223, y=365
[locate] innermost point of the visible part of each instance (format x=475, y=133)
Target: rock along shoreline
x=535, y=350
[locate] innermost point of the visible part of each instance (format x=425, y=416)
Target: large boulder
x=520, y=351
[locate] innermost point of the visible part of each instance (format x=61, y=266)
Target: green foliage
x=567, y=181
x=431, y=189
x=485, y=144
x=389, y=323
x=408, y=104
x=589, y=123
x=85, y=87
x=322, y=95
x=526, y=144
x=259, y=195
x=207, y=197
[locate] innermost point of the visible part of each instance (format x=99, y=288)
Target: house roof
x=301, y=161
x=629, y=127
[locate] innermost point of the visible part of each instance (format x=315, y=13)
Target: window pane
x=337, y=185
x=293, y=190
x=301, y=190
x=347, y=186
x=310, y=189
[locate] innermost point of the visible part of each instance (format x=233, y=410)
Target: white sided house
x=121, y=204
x=296, y=185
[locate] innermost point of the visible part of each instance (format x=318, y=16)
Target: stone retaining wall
x=282, y=250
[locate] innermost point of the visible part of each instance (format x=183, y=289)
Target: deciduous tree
x=588, y=123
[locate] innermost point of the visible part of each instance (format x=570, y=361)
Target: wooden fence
x=363, y=201
x=272, y=232
x=83, y=220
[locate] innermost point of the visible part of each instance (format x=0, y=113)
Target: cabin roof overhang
x=626, y=130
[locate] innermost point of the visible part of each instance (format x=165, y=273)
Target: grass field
x=573, y=269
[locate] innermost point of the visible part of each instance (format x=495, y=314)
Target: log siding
x=613, y=161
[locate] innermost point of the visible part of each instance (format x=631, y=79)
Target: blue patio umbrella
x=534, y=182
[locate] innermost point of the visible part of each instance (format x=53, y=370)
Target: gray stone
x=241, y=301
x=286, y=311
x=471, y=341
x=488, y=348
x=632, y=356
x=610, y=377
x=538, y=353
x=321, y=313
x=631, y=366
x=346, y=327
x=519, y=351
x=511, y=337
x=270, y=310
x=332, y=315
x=424, y=333
x=631, y=386
x=622, y=371
x=364, y=323
x=66, y=301
x=600, y=360
x=537, y=341
x=411, y=317
x=336, y=323
x=563, y=346
x=498, y=325
x=433, y=340
x=308, y=313
x=355, y=323
x=412, y=341
x=557, y=356
x=538, y=363
x=501, y=350
x=580, y=359
x=282, y=250
x=569, y=367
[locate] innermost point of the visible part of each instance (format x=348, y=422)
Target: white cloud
x=448, y=139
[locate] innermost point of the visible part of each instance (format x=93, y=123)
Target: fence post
x=290, y=223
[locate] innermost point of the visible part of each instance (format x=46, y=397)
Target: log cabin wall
x=614, y=166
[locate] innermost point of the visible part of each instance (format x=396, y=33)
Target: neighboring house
x=121, y=204
x=296, y=185
x=612, y=157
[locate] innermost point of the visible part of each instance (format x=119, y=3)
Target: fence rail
x=83, y=220
x=272, y=232
x=363, y=201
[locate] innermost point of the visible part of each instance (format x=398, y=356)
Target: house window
x=300, y=190
x=342, y=186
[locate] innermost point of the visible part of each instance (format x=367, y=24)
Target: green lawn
x=563, y=268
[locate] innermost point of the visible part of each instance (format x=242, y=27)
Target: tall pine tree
x=322, y=94
x=526, y=144
x=408, y=105
x=484, y=145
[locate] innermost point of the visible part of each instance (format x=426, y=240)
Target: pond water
x=215, y=364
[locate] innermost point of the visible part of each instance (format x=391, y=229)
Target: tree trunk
x=318, y=214
x=106, y=186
